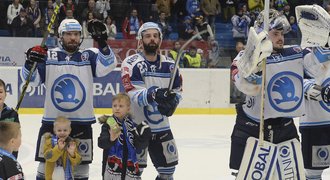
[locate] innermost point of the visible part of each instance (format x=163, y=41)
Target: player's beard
x=151, y=48
x=71, y=47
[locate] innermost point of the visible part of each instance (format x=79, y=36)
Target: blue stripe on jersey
x=142, y=98
x=314, y=123
x=26, y=72
x=166, y=170
x=82, y=63
x=274, y=60
x=106, y=60
x=154, y=74
x=137, y=82
x=160, y=129
x=322, y=55
x=308, y=85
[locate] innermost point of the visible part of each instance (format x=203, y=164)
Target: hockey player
x=315, y=124
x=10, y=140
x=67, y=72
x=6, y=113
x=146, y=77
x=283, y=88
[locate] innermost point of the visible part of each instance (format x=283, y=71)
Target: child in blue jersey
x=6, y=113
x=10, y=140
x=120, y=139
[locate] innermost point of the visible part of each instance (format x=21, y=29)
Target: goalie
x=284, y=96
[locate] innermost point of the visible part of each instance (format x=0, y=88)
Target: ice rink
x=203, y=143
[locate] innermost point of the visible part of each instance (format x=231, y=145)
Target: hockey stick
x=43, y=44
x=176, y=65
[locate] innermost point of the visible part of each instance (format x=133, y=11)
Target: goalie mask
x=69, y=25
x=276, y=21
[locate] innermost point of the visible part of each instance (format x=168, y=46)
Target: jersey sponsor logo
x=325, y=106
x=320, y=156
x=84, y=56
x=152, y=114
x=282, y=92
x=68, y=93
x=170, y=152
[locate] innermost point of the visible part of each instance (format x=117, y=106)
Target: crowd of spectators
x=30, y=18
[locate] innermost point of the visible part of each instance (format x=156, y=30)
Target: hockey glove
x=255, y=78
x=167, y=108
x=98, y=31
x=143, y=133
x=325, y=93
x=159, y=94
x=36, y=54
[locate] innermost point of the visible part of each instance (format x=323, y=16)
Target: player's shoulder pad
x=132, y=59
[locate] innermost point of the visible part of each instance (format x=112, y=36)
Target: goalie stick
x=176, y=65
x=43, y=44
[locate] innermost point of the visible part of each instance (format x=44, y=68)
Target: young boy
x=6, y=113
x=10, y=140
x=60, y=151
x=120, y=139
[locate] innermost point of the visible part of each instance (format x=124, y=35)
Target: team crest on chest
x=283, y=94
x=68, y=93
x=325, y=106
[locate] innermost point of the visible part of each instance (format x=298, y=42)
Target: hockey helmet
x=149, y=25
x=276, y=21
x=69, y=25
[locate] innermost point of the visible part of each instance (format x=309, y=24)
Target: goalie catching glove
x=258, y=47
x=36, y=54
x=98, y=31
x=165, y=98
x=314, y=24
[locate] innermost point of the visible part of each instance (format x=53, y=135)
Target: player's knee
x=164, y=177
x=313, y=174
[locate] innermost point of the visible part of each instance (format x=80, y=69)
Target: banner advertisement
x=103, y=89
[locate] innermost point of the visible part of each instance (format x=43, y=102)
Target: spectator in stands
x=279, y=4
x=12, y=11
x=174, y=52
x=111, y=28
x=90, y=8
x=85, y=33
x=228, y=9
x=102, y=8
x=193, y=8
x=68, y=4
x=287, y=12
x=34, y=14
x=203, y=59
x=187, y=30
x=131, y=25
x=164, y=25
x=214, y=59
x=179, y=11
x=45, y=20
x=200, y=26
x=240, y=26
x=22, y=25
x=192, y=59
x=164, y=6
x=3, y=15
x=119, y=8
x=210, y=8
x=143, y=7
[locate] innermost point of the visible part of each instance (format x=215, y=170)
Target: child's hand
x=71, y=148
x=114, y=134
x=61, y=143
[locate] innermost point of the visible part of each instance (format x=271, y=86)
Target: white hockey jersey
x=317, y=112
x=283, y=88
x=139, y=74
x=69, y=82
